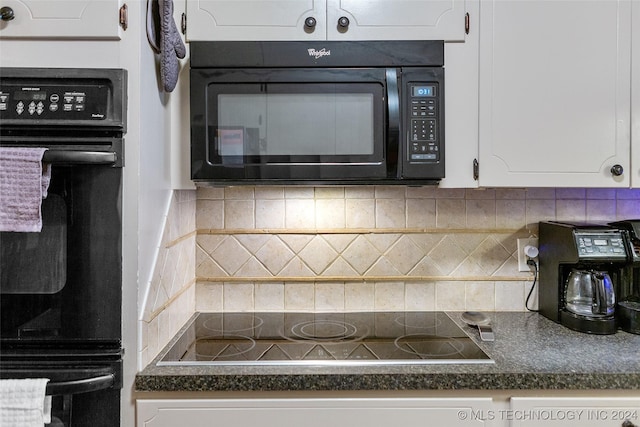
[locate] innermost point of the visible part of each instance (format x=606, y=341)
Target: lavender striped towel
x=24, y=182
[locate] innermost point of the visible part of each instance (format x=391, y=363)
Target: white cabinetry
x=450, y=412
x=60, y=19
x=635, y=96
x=461, y=106
x=255, y=20
x=396, y=19
x=555, y=89
x=325, y=19
x=573, y=411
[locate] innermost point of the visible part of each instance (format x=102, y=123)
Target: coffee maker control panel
x=600, y=245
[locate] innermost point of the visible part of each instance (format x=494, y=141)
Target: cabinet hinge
x=476, y=169
x=183, y=24
x=467, y=23
x=124, y=17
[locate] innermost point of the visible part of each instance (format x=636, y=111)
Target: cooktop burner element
x=325, y=330
x=323, y=338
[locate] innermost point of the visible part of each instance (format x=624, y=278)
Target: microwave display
x=423, y=91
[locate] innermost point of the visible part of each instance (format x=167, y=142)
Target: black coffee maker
x=581, y=270
x=628, y=310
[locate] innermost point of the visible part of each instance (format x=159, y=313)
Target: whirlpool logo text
x=319, y=53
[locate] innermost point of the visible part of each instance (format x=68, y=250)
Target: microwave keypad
x=423, y=108
x=423, y=103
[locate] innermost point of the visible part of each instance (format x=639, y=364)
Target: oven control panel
x=423, y=122
x=29, y=100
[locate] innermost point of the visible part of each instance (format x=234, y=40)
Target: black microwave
x=317, y=113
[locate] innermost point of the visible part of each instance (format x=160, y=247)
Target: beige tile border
x=346, y=279
x=361, y=231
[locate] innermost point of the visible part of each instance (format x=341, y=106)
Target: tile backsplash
x=353, y=248
x=169, y=296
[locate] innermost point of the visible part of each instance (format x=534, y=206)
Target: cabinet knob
x=310, y=23
x=6, y=14
x=343, y=22
x=617, y=170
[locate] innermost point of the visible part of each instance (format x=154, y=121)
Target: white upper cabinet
x=461, y=106
x=635, y=97
x=60, y=19
x=325, y=19
x=555, y=89
x=395, y=20
x=256, y=20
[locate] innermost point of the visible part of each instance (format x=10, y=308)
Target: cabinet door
x=468, y=412
x=461, y=106
x=554, y=92
x=255, y=19
x=635, y=97
x=66, y=19
x=572, y=411
x=396, y=19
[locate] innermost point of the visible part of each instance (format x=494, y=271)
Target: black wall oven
x=328, y=113
x=61, y=288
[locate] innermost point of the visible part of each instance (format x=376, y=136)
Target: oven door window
x=300, y=123
x=41, y=267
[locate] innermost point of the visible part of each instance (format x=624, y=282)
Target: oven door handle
x=80, y=157
x=83, y=385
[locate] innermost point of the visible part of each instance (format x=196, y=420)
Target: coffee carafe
x=590, y=293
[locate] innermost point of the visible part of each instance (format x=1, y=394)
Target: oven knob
x=310, y=23
x=617, y=170
x=6, y=14
x=343, y=22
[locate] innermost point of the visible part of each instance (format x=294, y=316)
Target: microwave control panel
x=30, y=101
x=423, y=123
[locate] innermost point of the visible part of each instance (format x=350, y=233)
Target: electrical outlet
x=522, y=257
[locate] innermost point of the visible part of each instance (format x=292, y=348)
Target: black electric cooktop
x=323, y=338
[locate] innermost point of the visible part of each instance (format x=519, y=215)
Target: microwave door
x=299, y=125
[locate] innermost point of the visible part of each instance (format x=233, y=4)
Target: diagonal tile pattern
x=352, y=256
x=361, y=254
x=318, y=254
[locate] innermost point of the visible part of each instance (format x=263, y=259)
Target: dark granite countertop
x=530, y=352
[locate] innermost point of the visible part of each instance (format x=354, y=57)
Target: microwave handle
x=394, y=156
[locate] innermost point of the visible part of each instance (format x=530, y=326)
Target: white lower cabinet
x=338, y=412
x=573, y=411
